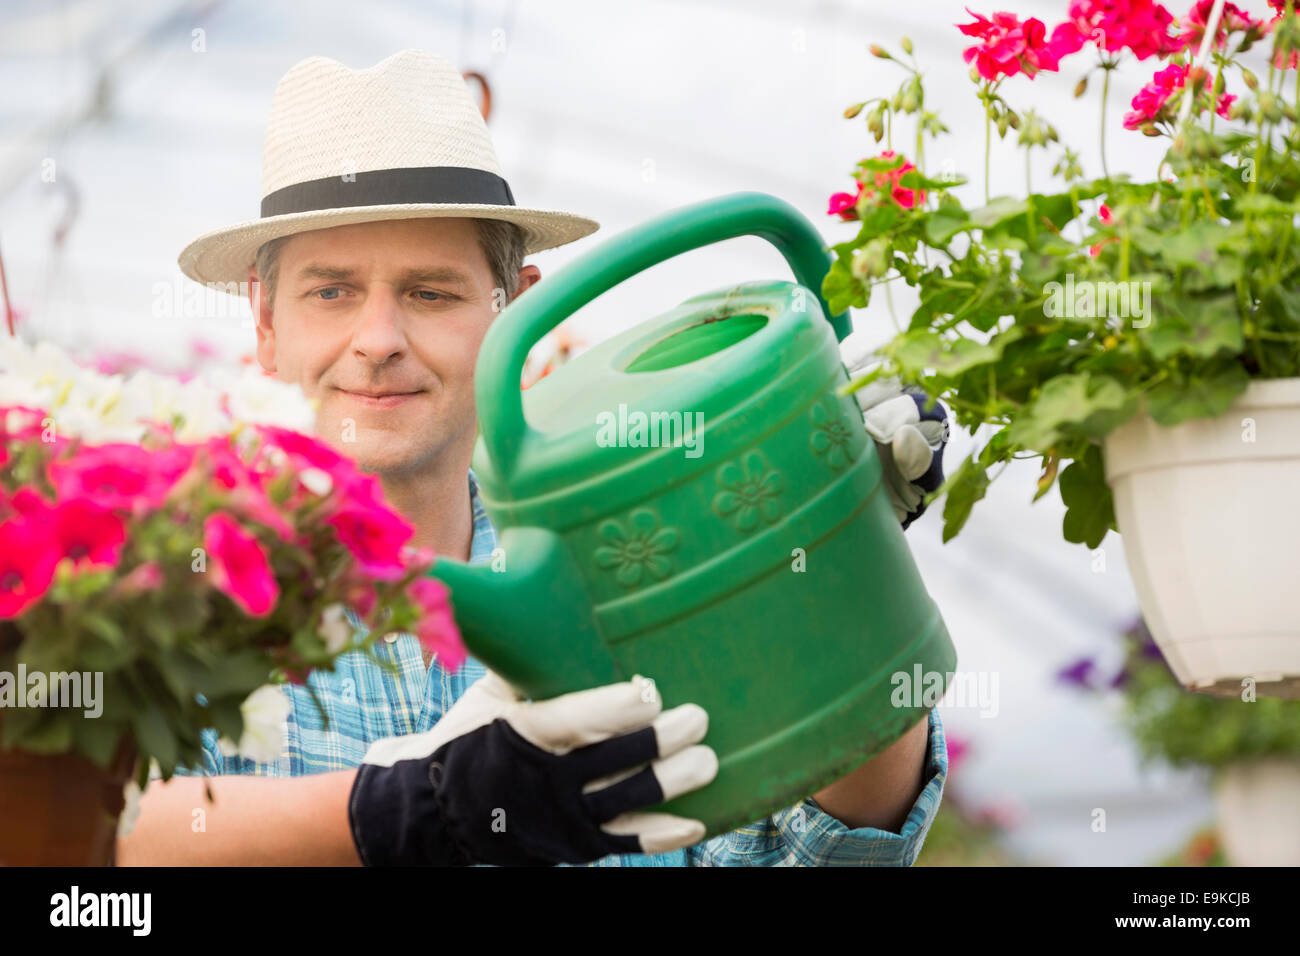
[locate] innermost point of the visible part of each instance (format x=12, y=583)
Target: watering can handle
x=520, y=326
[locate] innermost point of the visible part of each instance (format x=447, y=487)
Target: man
x=388, y=242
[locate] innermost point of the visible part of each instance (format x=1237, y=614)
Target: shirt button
x=390, y=638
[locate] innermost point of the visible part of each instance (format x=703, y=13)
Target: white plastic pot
x=1257, y=804
x=1209, y=511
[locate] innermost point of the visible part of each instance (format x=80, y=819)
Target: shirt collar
x=485, y=536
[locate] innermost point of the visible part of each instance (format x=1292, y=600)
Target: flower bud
x=896, y=104
x=906, y=44
x=880, y=52
x=872, y=260
x=974, y=75
x=1269, y=107
x=1081, y=87
x=1252, y=81
x=876, y=122
x=853, y=110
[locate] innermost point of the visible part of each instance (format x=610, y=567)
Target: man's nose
x=378, y=334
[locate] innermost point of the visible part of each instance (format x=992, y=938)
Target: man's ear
x=260, y=303
x=528, y=275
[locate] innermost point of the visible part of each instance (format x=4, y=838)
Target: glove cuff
x=397, y=819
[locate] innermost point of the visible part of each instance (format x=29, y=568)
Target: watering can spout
x=526, y=610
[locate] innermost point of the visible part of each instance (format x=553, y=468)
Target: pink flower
x=1149, y=106
x=246, y=487
x=241, y=568
x=89, y=535
x=20, y=422
x=1233, y=20
x=308, y=452
x=1104, y=214
x=437, y=629
x=1009, y=46
x=1284, y=59
x=844, y=205
x=1141, y=26
x=142, y=578
x=120, y=475
x=27, y=560
x=375, y=536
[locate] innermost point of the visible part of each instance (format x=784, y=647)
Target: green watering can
x=692, y=501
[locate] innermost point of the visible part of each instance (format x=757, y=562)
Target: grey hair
x=504, y=244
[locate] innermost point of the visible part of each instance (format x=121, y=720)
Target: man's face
x=382, y=322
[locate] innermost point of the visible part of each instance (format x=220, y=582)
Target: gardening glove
x=508, y=781
x=909, y=438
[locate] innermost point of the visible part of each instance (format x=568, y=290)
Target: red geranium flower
x=1149, y=104
x=1009, y=46
x=1141, y=26
x=1233, y=20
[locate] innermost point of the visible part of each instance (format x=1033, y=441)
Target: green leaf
x=966, y=487
x=1071, y=405
x=1090, y=508
x=1283, y=301
x=998, y=210
x=842, y=290
x=154, y=736
x=924, y=349
x=941, y=226
x=1203, y=397
x=237, y=672
x=97, y=739
x=1203, y=326
x=40, y=730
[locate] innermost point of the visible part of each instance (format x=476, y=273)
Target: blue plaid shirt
x=365, y=702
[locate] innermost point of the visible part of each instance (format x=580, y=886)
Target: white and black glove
x=507, y=781
x=909, y=437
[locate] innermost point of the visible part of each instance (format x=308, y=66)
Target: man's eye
x=329, y=294
x=426, y=295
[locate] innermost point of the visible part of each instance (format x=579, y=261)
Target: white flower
x=316, y=481
x=130, y=812
x=266, y=729
x=259, y=399
x=335, y=628
x=199, y=405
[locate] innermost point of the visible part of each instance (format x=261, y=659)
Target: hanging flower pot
x=1257, y=806
x=61, y=809
x=1210, y=532
x=1137, y=333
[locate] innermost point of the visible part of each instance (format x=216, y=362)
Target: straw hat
x=403, y=139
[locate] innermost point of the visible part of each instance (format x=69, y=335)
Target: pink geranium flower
x=1008, y=46
x=375, y=536
x=240, y=566
x=1141, y=26
x=1150, y=102
x=120, y=475
x=844, y=205
x=1233, y=20
x=27, y=560
x=437, y=629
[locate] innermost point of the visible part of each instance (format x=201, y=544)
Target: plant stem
x=988, y=146
x=1105, y=95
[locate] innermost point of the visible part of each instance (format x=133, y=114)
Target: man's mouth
x=380, y=399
